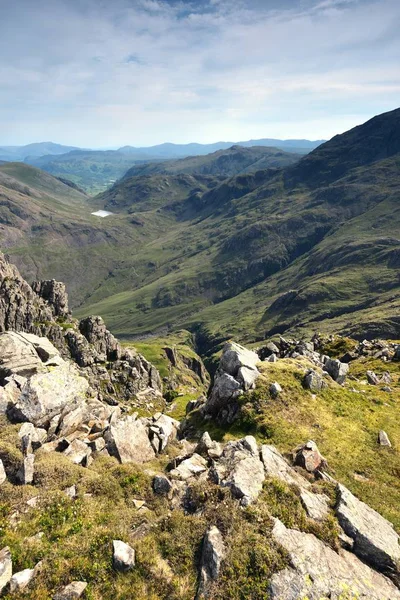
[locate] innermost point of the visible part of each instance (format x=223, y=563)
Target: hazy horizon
x=94, y=74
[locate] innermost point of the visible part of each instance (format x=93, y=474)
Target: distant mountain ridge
x=35, y=150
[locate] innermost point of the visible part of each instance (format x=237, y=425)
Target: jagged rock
x=25, y=473
x=123, y=556
x=78, y=452
x=18, y=356
x=10, y=392
x=247, y=377
x=240, y=469
x=383, y=439
x=163, y=430
x=309, y=458
x=375, y=539
x=5, y=567
x=316, y=571
x=72, y=591
x=336, y=369
x=235, y=356
x=3, y=474
x=37, y=436
x=161, y=485
x=54, y=293
x=315, y=505
x=213, y=554
x=208, y=446
x=43, y=347
x=225, y=389
x=45, y=394
x=96, y=333
x=20, y=581
x=313, y=381
x=276, y=466
x=81, y=351
x=372, y=378
x=275, y=389
x=127, y=439
x=190, y=467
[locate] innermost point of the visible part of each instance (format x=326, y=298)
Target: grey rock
x=5, y=567
x=37, y=436
x=336, y=369
x=78, y=452
x=383, y=439
x=123, y=556
x=161, y=485
x=20, y=581
x=45, y=394
x=208, y=446
x=235, y=356
x=213, y=554
x=54, y=293
x=190, y=467
x=17, y=356
x=375, y=539
x=72, y=591
x=240, y=469
x=372, y=378
x=127, y=439
x=316, y=571
x=43, y=347
x=276, y=466
x=163, y=429
x=225, y=389
x=315, y=505
x=25, y=473
x=272, y=359
x=247, y=377
x=313, y=381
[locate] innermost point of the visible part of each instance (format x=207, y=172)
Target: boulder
x=190, y=467
x=336, y=369
x=235, y=356
x=225, y=389
x=247, y=377
x=78, y=452
x=127, y=439
x=161, y=485
x=72, y=591
x=20, y=581
x=37, y=436
x=316, y=571
x=208, y=446
x=123, y=556
x=45, y=394
x=18, y=356
x=309, y=458
x=383, y=439
x=213, y=554
x=240, y=469
x=5, y=567
x=375, y=539
x=372, y=378
x=313, y=381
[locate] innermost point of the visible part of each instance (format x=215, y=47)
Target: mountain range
x=96, y=170
x=217, y=246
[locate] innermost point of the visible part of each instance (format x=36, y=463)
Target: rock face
x=318, y=572
x=213, y=554
x=55, y=294
x=240, y=469
x=17, y=356
x=375, y=540
x=123, y=556
x=127, y=439
x=237, y=372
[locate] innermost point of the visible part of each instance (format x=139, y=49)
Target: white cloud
x=96, y=73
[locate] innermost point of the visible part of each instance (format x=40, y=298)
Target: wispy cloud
x=92, y=72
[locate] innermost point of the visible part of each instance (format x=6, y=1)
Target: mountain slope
x=331, y=238
x=233, y=161
x=15, y=153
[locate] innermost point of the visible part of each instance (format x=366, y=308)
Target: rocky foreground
x=103, y=494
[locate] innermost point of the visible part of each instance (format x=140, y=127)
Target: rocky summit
x=119, y=478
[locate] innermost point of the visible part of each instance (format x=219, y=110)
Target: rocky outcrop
x=316, y=571
x=127, y=439
x=237, y=372
x=55, y=294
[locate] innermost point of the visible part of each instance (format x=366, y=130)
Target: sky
x=106, y=73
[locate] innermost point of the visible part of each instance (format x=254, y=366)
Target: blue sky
x=99, y=73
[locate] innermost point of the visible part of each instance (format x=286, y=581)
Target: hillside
x=280, y=482
x=331, y=240
x=21, y=153
x=233, y=161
